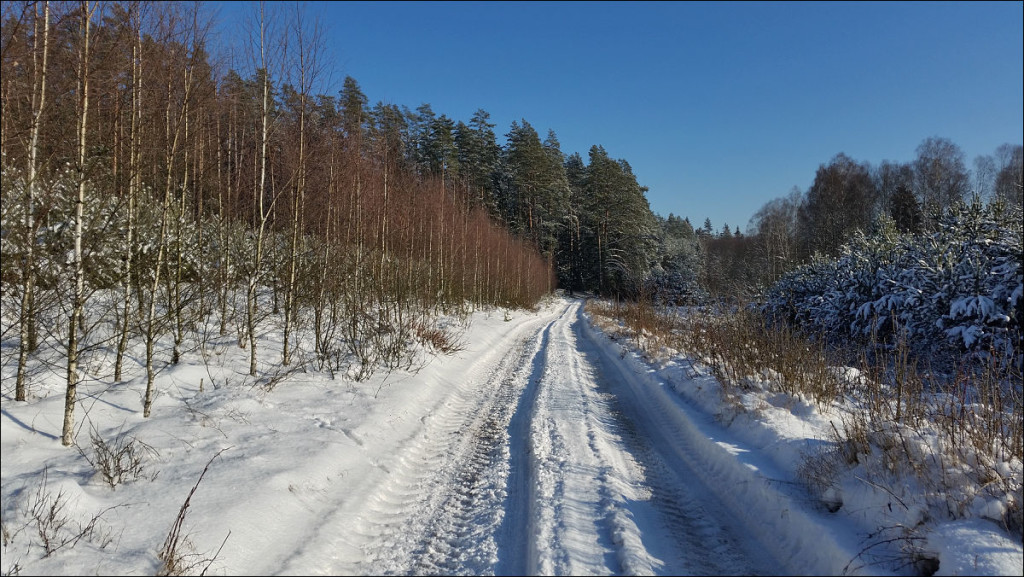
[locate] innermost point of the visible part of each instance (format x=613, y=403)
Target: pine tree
x=420, y=125
x=905, y=211
x=478, y=153
x=389, y=132
x=354, y=112
x=539, y=187
x=707, y=229
x=438, y=148
x=571, y=255
x=619, y=221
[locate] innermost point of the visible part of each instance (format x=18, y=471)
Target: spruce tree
x=905, y=211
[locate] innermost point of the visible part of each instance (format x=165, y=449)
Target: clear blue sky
x=718, y=107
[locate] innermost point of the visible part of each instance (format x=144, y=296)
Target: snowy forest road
x=543, y=461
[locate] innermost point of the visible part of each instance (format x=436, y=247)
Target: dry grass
x=177, y=555
x=47, y=521
x=445, y=340
x=119, y=460
x=952, y=433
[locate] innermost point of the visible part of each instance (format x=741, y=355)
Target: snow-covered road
x=541, y=462
x=543, y=447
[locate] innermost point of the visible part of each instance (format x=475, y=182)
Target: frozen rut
x=541, y=462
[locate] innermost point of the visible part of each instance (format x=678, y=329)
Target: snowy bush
x=950, y=294
x=674, y=288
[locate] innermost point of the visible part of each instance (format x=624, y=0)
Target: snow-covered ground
x=543, y=447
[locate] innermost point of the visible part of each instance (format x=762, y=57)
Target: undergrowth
x=955, y=437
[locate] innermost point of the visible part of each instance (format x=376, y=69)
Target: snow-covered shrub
x=952, y=293
x=984, y=311
x=800, y=297
x=674, y=288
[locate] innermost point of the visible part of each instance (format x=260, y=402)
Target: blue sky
x=719, y=107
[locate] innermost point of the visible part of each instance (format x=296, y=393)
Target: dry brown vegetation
x=952, y=433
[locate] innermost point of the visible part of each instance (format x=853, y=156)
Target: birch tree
x=262, y=203
x=308, y=46
x=26, y=318
x=134, y=182
x=175, y=112
x=78, y=269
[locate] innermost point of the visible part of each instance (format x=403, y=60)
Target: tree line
x=849, y=196
x=149, y=191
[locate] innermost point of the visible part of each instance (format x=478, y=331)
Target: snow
x=543, y=447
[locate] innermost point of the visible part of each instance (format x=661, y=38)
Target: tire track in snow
x=583, y=472
x=450, y=495
x=516, y=546
x=748, y=526
x=686, y=534
x=608, y=500
x=432, y=500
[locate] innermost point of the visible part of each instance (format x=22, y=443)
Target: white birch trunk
x=27, y=316
x=78, y=277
